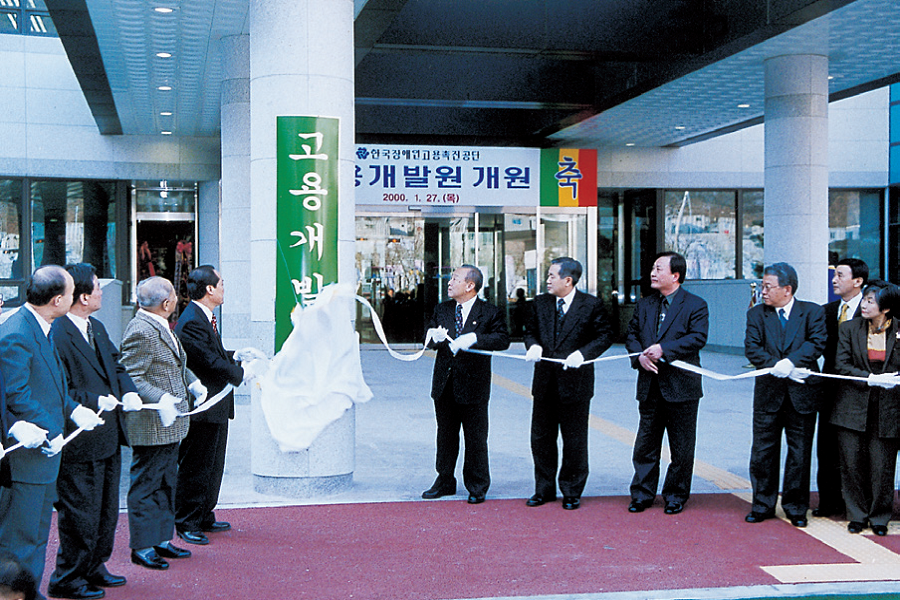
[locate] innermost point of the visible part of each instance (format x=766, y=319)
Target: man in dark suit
x=461, y=383
x=88, y=483
x=786, y=335
x=850, y=277
x=571, y=325
x=671, y=325
x=38, y=403
x=201, y=456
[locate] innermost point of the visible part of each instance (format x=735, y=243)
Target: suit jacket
x=90, y=374
x=36, y=392
x=682, y=334
x=585, y=328
x=471, y=373
x=831, y=326
x=803, y=341
x=851, y=405
x=208, y=360
x=157, y=366
x=4, y=427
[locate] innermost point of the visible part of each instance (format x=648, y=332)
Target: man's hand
x=534, y=354
x=249, y=353
x=782, y=368
x=168, y=411
x=131, y=401
x=29, y=434
x=85, y=418
x=574, y=360
x=438, y=334
x=654, y=352
x=56, y=446
x=884, y=380
x=799, y=374
x=199, y=392
x=647, y=363
x=108, y=402
x=463, y=342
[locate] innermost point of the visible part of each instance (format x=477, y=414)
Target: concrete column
x=301, y=63
x=796, y=176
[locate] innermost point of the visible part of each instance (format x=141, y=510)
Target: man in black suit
x=88, y=483
x=786, y=335
x=850, y=277
x=571, y=325
x=38, y=405
x=671, y=325
x=201, y=457
x=461, y=383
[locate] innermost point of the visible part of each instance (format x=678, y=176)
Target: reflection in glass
x=10, y=229
x=752, y=234
x=700, y=225
x=564, y=235
x=854, y=227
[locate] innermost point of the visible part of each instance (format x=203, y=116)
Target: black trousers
x=201, y=465
x=828, y=477
x=765, y=456
x=473, y=419
x=151, y=498
x=25, y=513
x=679, y=421
x=868, y=464
x=550, y=419
x=87, y=514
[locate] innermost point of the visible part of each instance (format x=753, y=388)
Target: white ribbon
x=751, y=374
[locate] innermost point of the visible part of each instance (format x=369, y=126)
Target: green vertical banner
x=307, y=214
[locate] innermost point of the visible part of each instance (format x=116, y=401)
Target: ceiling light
x=166, y=132
x=163, y=9
x=164, y=88
x=165, y=113
x=164, y=54
x=743, y=106
x=679, y=127
x=830, y=77
x=630, y=144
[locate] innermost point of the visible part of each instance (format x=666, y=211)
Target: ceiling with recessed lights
x=588, y=73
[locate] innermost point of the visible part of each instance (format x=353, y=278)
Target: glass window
x=752, y=232
x=30, y=17
x=165, y=196
x=565, y=234
x=854, y=227
x=10, y=229
x=700, y=225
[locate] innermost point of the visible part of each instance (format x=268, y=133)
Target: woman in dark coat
x=868, y=414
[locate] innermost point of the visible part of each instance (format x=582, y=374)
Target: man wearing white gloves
x=788, y=336
x=570, y=325
x=157, y=364
x=88, y=483
x=38, y=407
x=461, y=384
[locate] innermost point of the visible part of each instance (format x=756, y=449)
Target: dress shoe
x=106, y=580
x=436, y=491
x=475, y=499
x=758, y=517
x=149, y=559
x=169, y=550
x=82, y=592
x=827, y=511
x=855, y=527
x=798, y=521
x=217, y=527
x=673, y=508
x=571, y=502
x=879, y=530
x=637, y=506
x=194, y=537
x=538, y=500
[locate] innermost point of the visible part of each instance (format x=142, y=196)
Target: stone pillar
x=301, y=63
x=796, y=175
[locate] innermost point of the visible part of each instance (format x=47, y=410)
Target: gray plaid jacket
x=156, y=367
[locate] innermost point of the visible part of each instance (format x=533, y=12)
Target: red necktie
x=215, y=329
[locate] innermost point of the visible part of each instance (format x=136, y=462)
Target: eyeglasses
x=766, y=287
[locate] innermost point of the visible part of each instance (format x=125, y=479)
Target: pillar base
x=302, y=487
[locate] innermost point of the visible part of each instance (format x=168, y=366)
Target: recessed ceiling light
x=830, y=77
x=164, y=88
x=743, y=106
x=679, y=127
x=166, y=132
x=166, y=113
x=164, y=54
x=630, y=144
x=163, y=9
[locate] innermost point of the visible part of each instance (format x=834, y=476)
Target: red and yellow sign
x=568, y=177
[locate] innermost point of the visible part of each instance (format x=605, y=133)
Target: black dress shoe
x=855, y=527
x=827, y=511
x=82, y=592
x=149, y=559
x=170, y=550
x=673, y=508
x=106, y=580
x=475, y=499
x=538, y=500
x=758, y=517
x=571, y=502
x=879, y=530
x=194, y=537
x=637, y=506
x=798, y=521
x=436, y=491
x=217, y=527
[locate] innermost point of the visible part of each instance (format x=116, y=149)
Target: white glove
x=884, y=380
x=782, y=368
x=534, y=354
x=108, y=403
x=199, y=392
x=85, y=418
x=2, y=452
x=463, y=342
x=249, y=353
x=29, y=434
x=132, y=401
x=574, y=360
x=167, y=411
x=438, y=334
x=255, y=368
x=56, y=446
x=799, y=374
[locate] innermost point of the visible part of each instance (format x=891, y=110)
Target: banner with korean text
x=568, y=177
x=307, y=213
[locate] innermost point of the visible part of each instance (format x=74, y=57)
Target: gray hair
x=785, y=273
x=152, y=291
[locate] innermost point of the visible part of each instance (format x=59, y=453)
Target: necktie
x=782, y=318
x=662, y=314
x=90, y=335
x=560, y=314
x=215, y=328
x=459, y=320
x=843, y=316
